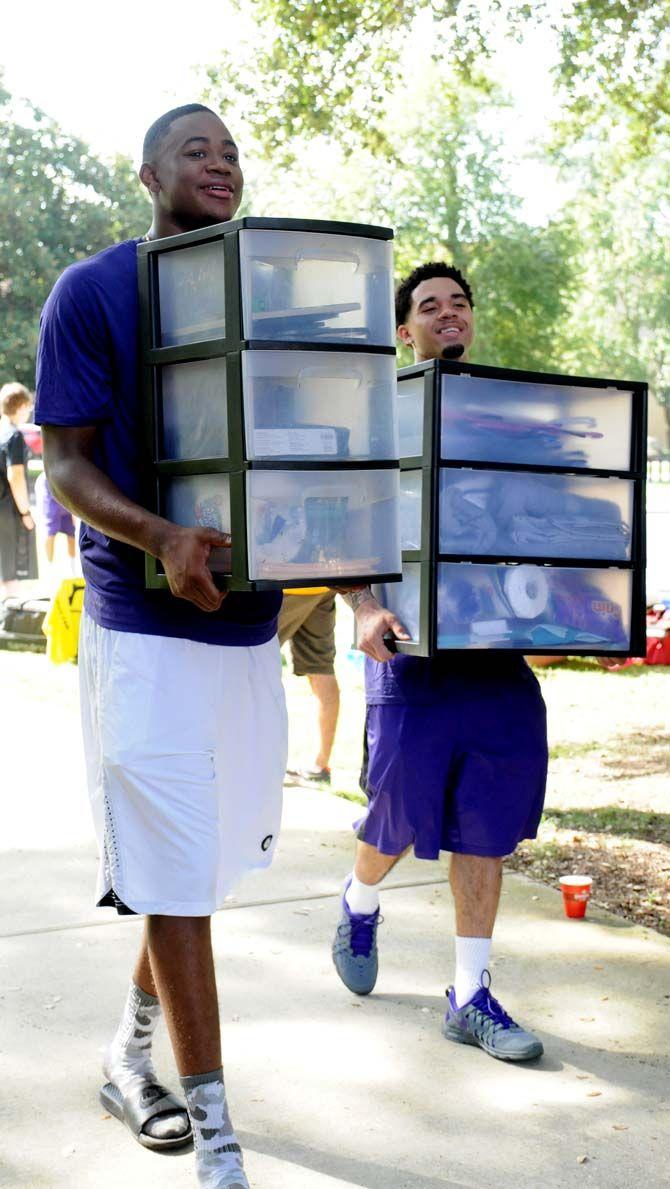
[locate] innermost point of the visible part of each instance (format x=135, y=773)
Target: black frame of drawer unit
x=433, y=369
x=427, y=645
x=148, y=254
x=431, y=464
x=229, y=348
x=238, y=578
x=238, y=454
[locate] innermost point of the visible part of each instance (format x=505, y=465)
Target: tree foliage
x=327, y=68
x=619, y=320
x=58, y=203
x=447, y=194
x=615, y=71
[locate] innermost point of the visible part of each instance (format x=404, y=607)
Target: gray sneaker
x=355, y=948
x=484, y=1022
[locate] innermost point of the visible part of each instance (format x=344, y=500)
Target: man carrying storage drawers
x=457, y=753
x=307, y=620
x=177, y=687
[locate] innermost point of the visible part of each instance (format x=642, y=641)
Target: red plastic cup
x=576, y=890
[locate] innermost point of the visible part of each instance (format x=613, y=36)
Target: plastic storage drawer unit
x=521, y=511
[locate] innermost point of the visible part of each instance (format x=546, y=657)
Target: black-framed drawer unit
x=269, y=386
x=521, y=512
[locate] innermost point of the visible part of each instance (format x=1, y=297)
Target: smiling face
x=195, y=178
x=440, y=322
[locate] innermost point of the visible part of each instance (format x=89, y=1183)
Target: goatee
x=454, y=351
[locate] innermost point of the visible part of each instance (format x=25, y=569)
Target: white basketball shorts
x=186, y=751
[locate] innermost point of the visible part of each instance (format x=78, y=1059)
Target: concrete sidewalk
x=329, y=1091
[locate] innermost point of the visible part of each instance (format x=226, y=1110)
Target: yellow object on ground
x=61, y=622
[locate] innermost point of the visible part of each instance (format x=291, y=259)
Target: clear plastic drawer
x=309, y=404
x=528, y=606
x=191, y=294
x=410, y=509
x=203, y=501
x=322, y=524
x=306, y=286
x=404, y=598
x=194, y=410
x=410, y=416
x=489, y=420
x=516, y=514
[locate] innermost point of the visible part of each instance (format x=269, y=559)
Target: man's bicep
x=67, y=443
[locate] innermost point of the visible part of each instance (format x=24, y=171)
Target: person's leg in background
x=327, y=694
x=308, y=622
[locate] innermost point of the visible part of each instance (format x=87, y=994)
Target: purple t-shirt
x=87, y=374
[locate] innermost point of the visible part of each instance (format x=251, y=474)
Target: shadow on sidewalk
x=359, y=1174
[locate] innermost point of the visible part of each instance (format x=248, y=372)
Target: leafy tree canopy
x=58, y=203
x=447, y=194
x=327, y=68
x=615, y=69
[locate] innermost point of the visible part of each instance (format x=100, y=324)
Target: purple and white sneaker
x=355, y=948
x=484, y=1022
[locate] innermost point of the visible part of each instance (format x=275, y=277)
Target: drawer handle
x=326, y=373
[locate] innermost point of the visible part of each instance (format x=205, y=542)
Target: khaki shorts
x=308, y=621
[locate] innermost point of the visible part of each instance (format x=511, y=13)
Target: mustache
x=453, y=351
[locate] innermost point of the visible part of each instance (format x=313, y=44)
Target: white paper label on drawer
x=293, y=440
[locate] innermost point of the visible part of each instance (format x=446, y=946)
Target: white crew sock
x=128, y=1063
x=472, y=959
x=217, y=1153
x=361, y=898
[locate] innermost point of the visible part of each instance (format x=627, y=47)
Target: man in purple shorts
x=456, y=753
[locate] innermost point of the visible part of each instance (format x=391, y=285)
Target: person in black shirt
x=18, y=556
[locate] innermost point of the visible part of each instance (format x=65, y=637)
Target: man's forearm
x=89, y=493
x=356, y=598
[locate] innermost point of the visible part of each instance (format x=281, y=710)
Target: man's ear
x=404, y=335
x=149, y=178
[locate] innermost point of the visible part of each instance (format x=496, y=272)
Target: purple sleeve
x=74, y=366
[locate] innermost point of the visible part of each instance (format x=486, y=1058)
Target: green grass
x=349, y=795
x=615, y=821
x=571, y=751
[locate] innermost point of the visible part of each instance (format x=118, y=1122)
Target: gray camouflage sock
x=127, y=1062
x=217, y=1152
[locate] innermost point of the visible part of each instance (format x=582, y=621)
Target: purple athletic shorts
x=466, y=773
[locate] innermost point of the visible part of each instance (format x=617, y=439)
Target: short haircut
x=424, y=272
x=12, y=397
x=161, y=126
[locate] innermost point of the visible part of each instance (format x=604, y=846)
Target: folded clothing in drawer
x=519, y=514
